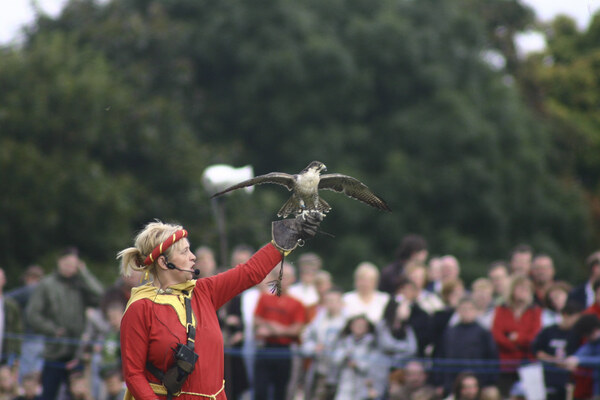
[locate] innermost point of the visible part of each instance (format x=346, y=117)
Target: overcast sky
x=15, y=13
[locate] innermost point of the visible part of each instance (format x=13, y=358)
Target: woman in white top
x=366, y=299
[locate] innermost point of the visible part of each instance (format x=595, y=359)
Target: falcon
x=305, y=188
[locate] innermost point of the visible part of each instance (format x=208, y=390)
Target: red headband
x=161, y=248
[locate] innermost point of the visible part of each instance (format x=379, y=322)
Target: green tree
x=85, y=158
x=564, y=80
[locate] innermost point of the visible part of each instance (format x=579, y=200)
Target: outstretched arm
x=285, y=233
x=228, y=284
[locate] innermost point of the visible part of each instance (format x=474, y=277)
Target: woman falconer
x=171, y=342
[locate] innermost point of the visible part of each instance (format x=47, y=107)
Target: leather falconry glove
x=290, y=233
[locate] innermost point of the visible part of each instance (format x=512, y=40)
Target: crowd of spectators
x=410, y=330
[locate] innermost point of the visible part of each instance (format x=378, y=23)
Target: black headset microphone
x=170, y=265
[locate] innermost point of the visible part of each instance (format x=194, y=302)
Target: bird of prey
x=305, y=189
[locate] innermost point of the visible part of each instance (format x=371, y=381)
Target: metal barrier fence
x=432, y=365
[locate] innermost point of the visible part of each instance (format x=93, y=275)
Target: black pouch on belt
x=185, y=359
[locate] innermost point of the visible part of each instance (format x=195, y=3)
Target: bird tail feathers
x=289, y=207
x=293, y=206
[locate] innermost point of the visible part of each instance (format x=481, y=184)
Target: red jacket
x=593, y=309
x=283, y=309
x=149, y=330
x=526, y=327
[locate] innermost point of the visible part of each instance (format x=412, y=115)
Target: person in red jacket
x=514, y=328
x=278, y=322
x=171, y=342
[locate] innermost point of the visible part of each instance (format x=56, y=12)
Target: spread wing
x=353, y=188
x=278, y=178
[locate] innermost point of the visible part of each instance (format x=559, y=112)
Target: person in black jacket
x=452, y=292
x=403, y=302
x=553, y=344
x=468, y=341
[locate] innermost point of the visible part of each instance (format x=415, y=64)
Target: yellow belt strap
x=161, y=390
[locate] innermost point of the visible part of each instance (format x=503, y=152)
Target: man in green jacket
x=57, y=311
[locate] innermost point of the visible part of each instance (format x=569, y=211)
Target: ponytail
x=131, y=260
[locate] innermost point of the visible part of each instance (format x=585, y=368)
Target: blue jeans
x=31, y=360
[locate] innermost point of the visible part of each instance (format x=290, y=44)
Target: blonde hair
x=153, y=234
x=310, y=259
x=366, y=267
x=449, y=287
x=519, y=280
x=482, y=284
x=322, y=276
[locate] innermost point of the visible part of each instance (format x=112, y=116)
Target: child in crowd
x=482, y=292
x=552, y=345
x=354, y=357
x=464, y=342
x=79, y=386
x=114, y=386
x=410, y=383
x=31, y=389
x=8, y=382
x=111, y=351
x=466, y=387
